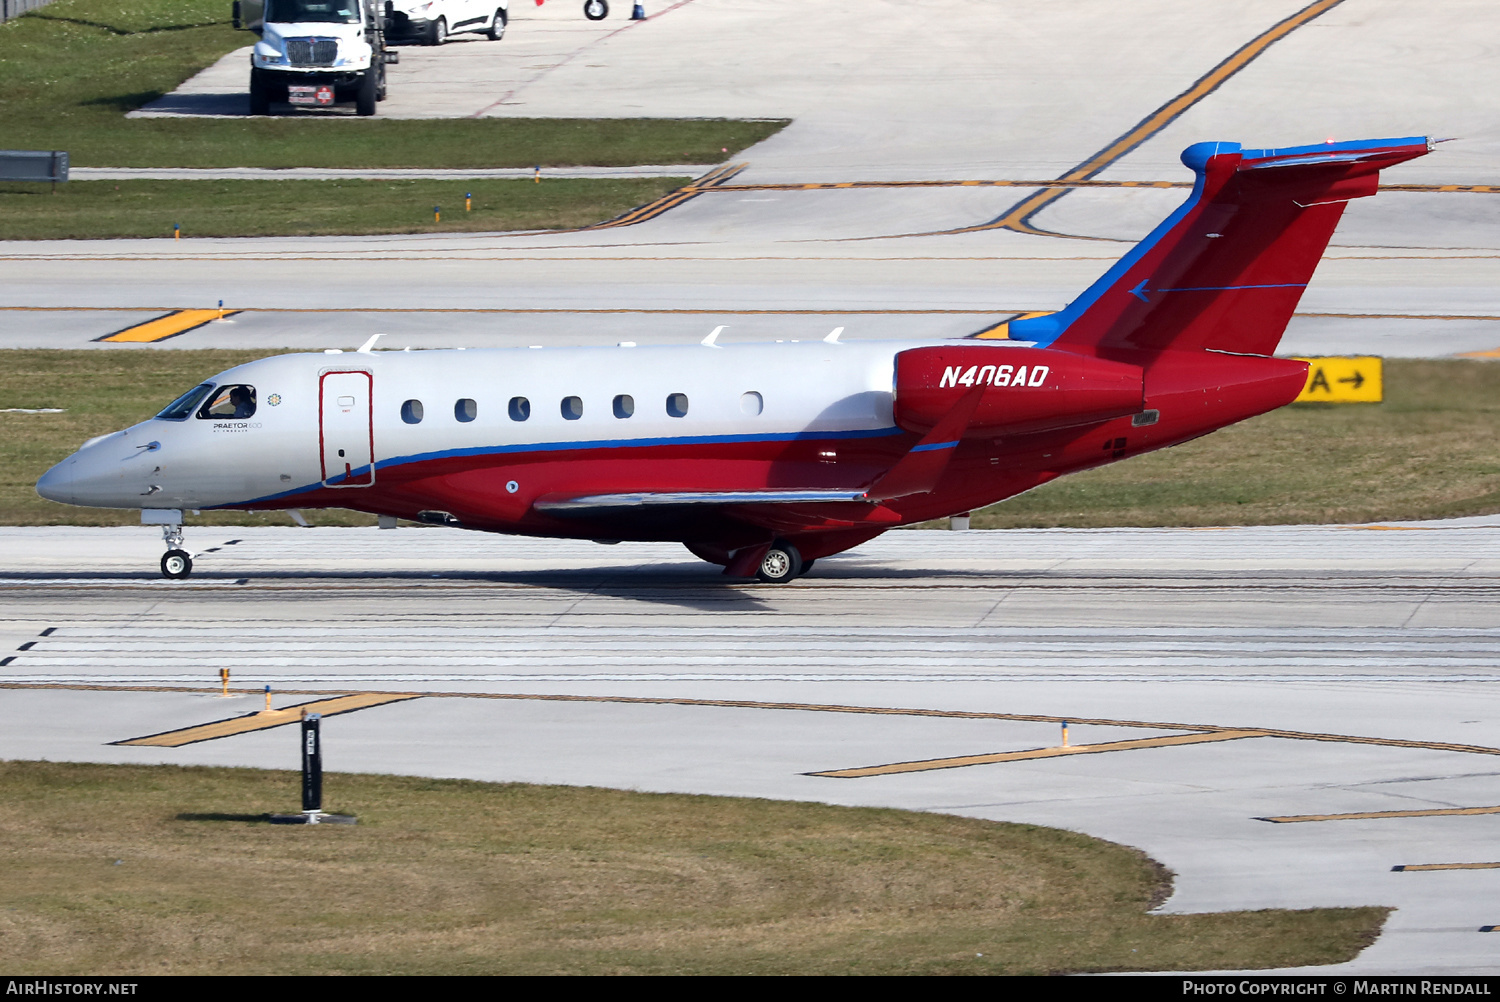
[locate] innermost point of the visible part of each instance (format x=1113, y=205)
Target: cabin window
x=228, y=402
x=572, y=408
x=184, y=405
x=624, y=405
x=677, y=405
x=411, y=412
x=465, y=410
x=751, y=403
x=520, y=408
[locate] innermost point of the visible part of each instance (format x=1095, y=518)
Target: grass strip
x=104, y=209
x=161, y=869
x=1427, y=452
x=71, y=70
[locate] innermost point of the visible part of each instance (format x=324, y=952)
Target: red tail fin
x=1225, y=271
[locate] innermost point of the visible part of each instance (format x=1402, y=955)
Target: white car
x=432, y=21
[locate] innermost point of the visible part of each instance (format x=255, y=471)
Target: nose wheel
x=176, y=563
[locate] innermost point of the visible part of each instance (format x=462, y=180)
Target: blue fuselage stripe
x=635, y=443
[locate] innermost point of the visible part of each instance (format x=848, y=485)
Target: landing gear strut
x=176, y=562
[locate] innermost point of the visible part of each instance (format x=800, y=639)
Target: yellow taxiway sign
x=1351, y=379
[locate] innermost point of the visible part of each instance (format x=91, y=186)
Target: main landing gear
x=176, y=563
x=781, y=563
x=776, y=563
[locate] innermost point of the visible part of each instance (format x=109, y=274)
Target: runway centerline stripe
x=265, y=719
x=958, y=762
x=1413, y=867
x=1436, y=812
x=171, y=325
x=1018, y=217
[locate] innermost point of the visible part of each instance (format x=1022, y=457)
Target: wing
x=590, y=504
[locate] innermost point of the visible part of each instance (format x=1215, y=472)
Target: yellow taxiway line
x=1036, y=753
x=1197, y=730
x=1439, y=812
x=264, y=719
x=1490, y=189
x=171, y=325
x=670, y=200
x=1019, y=216
x=1445, y=866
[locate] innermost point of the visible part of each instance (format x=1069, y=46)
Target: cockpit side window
x=180, y=408
x=233, y=400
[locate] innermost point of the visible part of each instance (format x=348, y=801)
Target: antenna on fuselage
x=369, y=345
x=713, y=336
x=833, y=336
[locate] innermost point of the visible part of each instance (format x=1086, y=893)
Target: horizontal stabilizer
x=1226, y=270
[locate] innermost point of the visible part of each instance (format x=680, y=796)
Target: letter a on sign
x=1343, y=380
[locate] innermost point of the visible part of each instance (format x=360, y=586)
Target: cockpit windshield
x=183, y=405
x=234, y=400
x=318, y=11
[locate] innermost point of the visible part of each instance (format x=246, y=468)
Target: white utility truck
x=315, y=53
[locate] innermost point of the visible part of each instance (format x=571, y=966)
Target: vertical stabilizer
x=1226, y=270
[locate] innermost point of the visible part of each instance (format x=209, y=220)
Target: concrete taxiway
x=1215, y=679
x=1339, y=679
x=1024, y=92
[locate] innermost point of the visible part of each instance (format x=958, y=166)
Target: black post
x=312, y=764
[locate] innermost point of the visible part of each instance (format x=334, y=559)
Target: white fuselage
x=308, y=407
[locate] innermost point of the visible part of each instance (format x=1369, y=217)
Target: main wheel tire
x=595, y=10
x=260, y=98
x=497, y=26
x=438, y=33
x=782, y=563
x=176, y=564
x=369, y=87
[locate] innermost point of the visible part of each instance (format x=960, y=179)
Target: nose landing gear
x=176, y=563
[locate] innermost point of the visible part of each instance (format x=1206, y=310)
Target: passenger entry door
x=346, y=429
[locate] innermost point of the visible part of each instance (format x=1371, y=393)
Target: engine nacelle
x=1026, y=389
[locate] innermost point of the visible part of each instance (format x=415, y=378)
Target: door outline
x=351, y=480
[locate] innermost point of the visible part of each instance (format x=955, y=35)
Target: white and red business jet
x=765, y=457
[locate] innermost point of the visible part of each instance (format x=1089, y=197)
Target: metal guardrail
x=33, y=165
x=15, y=8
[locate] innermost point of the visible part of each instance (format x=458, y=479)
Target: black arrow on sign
x=1356, y=379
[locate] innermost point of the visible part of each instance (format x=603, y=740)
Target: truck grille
x=312, y=51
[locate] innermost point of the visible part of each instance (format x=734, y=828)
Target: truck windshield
x=183, y=405
x=321, y=11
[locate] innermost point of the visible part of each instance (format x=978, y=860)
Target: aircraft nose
x=108, y=472
x=58, y=483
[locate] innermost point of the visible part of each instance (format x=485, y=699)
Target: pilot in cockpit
x=242, y=401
